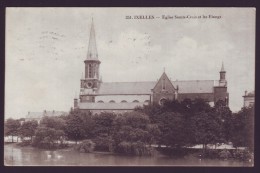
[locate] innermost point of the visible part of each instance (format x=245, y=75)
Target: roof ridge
x=190, y=80
x=131, y=82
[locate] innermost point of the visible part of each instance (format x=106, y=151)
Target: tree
x=12, y=127
x=243, y=128
x=103, y=123
x=133, y=134
x=79, y=125
x=206, y=129
x=50, y=132
x=28, y=129
x=172, y=127
x=46, y=137
x=53, y=122
x=223, y=116
x=132, y=128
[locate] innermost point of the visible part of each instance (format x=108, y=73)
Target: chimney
x=245, y=92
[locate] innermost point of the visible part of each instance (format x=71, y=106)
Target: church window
x=123, y=101
x=90, y=70
x=163, y=84
x=112, y=101
x=135, y=101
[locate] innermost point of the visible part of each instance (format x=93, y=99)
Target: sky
x=46, y=49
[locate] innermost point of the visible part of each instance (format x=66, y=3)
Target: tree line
x=174, y=124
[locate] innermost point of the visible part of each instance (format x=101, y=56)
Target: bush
x=136, y=148
x=86, y=146
x=224, y=154
x=242, y=155
x=211, y=154
x=104, y=144
x=24, y=143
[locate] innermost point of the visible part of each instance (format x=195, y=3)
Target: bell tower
x=222, y=80
x=90, y=82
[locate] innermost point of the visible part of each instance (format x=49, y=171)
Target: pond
x=29, y=156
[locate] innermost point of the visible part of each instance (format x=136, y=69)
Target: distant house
x=39, y=115
x=249, y=99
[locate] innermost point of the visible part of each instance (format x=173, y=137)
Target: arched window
x=112, y=101
x=135, y=101
x=123, y=101
x=100, y=101
x=147, y=101
x=90, y=70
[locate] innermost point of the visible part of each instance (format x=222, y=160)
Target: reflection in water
x=18, y=156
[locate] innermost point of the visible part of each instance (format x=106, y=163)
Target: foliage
x=104, y=143
x=133, y=133
x=132, y=126
x=223, y=116
x=243, y=128
x=50, y=133
x=86, y=146
x=46, y=137
x=136, y=148
x=12, y=127
x=28, y=128
x=24, y=143
x=242, y=155
x=206, y=129
x=79, y=125
x=53, y=122
x=224, y=154
x=103, y=123
x=172, y=128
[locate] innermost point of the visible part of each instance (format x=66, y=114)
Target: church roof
x=195, y=86
x=192, y=86
x=109, y=106
x=126, y=87
x=92, y=47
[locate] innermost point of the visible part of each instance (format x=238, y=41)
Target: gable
x=164, y=85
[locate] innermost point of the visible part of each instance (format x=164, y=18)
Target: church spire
x=92, y=48
x=222, y=67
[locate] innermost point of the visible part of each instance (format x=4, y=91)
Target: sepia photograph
x=129, y=86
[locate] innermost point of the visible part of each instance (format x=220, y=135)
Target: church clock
x=89, y=84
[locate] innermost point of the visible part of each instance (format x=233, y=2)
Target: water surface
x=29, y=156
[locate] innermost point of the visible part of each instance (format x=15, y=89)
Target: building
x=249, y=99
x=96, y=95
x=37, y=116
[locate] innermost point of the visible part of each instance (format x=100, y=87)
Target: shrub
x=242, y=155
x=224, y=154
x=135, y=148
x=86, y=146
x=104, y=144
x=24, y=143
x=211, y=154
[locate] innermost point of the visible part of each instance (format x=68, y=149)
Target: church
x=118, y=97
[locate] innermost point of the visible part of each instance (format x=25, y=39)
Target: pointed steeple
x=222, y=67
x=92, y=47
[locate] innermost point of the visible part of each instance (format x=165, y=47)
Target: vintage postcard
x=129, y=87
